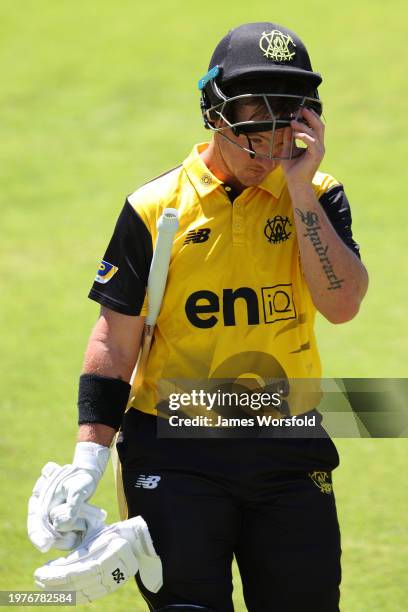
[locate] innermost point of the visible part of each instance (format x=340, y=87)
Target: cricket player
x=264, y=242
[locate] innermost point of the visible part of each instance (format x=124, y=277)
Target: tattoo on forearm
x=311, y=221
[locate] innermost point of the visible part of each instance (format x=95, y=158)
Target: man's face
x=246, y=170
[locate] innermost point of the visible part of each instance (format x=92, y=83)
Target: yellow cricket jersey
x=236, y=301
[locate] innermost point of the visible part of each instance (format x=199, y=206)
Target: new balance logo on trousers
x=147, y=482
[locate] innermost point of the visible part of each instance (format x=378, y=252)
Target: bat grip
x=149, y=329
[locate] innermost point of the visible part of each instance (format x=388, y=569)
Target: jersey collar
x=274, y=182
x=202, y=179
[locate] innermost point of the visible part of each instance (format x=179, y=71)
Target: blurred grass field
x=97, y=98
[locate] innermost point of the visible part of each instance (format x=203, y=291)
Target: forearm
x=107, y=356
x=111, y=354
x=336, y=278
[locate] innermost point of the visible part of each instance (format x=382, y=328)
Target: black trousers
x=269, y=502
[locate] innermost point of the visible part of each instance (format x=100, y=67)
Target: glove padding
x=51, y=521
x=104, y=561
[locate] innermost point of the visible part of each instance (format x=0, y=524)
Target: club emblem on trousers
x=322, y=481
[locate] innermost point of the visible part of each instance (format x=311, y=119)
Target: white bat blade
x=167, y=226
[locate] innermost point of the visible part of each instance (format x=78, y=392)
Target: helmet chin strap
x=252, y=152
x=250, y=149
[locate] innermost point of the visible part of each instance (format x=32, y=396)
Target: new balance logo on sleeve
x=200, y=235
x=147, y=482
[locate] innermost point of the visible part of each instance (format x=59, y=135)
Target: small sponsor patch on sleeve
x=105, y=272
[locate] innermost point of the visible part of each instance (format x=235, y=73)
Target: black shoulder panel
x=130, y=250
x=337, y=208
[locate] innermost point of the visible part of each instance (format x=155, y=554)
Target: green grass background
x=98, y=97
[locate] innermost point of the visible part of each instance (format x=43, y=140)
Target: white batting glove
x=104, y=561
x=57, y=514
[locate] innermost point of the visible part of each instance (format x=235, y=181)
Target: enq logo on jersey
x=205, y=309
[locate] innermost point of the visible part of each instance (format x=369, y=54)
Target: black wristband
x=102, y=399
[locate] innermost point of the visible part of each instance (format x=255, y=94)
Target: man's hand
x=301, y=169
x=56, y=515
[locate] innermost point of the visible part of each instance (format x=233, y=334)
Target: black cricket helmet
x=263, y=65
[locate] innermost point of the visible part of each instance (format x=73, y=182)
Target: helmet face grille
x=264, y=114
